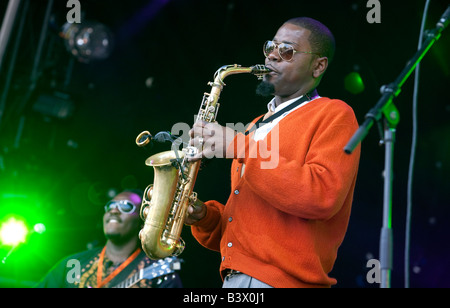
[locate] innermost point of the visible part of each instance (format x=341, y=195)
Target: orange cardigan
x=287, y=215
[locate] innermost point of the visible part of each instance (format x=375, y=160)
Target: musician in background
x=291, y=182
x=118, y=262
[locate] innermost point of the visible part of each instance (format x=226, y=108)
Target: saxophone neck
x=259, y=70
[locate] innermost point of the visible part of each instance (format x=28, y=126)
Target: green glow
x=13, y=232
x=39, y=228
x=354, y=83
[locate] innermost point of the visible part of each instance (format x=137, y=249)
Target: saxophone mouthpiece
x=260, y=70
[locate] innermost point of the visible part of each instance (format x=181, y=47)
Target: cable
x=413, y=153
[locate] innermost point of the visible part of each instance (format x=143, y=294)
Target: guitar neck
x=155, y=270
x=131, y=281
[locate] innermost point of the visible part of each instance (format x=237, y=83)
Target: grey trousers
x=242, y=280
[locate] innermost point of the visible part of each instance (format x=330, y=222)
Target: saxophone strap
x=307, y=97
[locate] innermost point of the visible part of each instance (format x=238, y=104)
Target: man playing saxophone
x=283, y=221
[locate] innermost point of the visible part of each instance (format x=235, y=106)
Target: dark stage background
x=59, y=170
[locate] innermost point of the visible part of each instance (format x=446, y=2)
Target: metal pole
x=386, y=238
x=8, y=22
x=34, y=75
x=5, y=34
x=12, y=60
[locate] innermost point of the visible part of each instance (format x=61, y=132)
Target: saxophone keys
x=149, y=192
x=145, y=211
x=190, y=151
x=192, y=198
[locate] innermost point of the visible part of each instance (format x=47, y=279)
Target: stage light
x=354, y=83
x=13, y=232
x=88, y=40
x=39, y=228
x=56, y=104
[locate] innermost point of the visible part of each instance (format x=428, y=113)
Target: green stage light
x=39, y=228
x=354, y=83
x=13, y=232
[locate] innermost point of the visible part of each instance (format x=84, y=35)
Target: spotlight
x=13, y=232
x=354, y=83
x=88, y=40
x=39, y=228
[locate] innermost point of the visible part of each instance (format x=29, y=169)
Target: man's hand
x=211, y=138
x=196, y=212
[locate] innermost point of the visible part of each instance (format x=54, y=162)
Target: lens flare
x=13, y=232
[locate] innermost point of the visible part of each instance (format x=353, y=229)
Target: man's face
x=291, y=77
x=122, y=226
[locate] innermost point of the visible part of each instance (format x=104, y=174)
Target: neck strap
x=307, y=97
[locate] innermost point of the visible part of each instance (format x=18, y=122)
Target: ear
x=320, y=66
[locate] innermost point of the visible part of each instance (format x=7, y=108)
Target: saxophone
x=165, y=202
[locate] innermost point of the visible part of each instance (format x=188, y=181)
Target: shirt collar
x=272, y=108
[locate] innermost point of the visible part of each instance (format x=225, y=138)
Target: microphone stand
x=386, y=110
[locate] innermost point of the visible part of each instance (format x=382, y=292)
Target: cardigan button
x=230, y=219
x=230, y=244
x=236, y=192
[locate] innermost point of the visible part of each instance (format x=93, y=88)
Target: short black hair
x=321, y=39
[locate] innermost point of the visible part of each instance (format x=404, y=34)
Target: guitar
x=157, y=269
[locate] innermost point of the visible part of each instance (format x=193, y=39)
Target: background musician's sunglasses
x=285, y=51
x=124, y=206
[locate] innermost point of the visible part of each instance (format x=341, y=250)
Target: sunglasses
x=124, y=206
x=285, y=51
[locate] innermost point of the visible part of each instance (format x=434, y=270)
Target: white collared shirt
x=263, y=130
